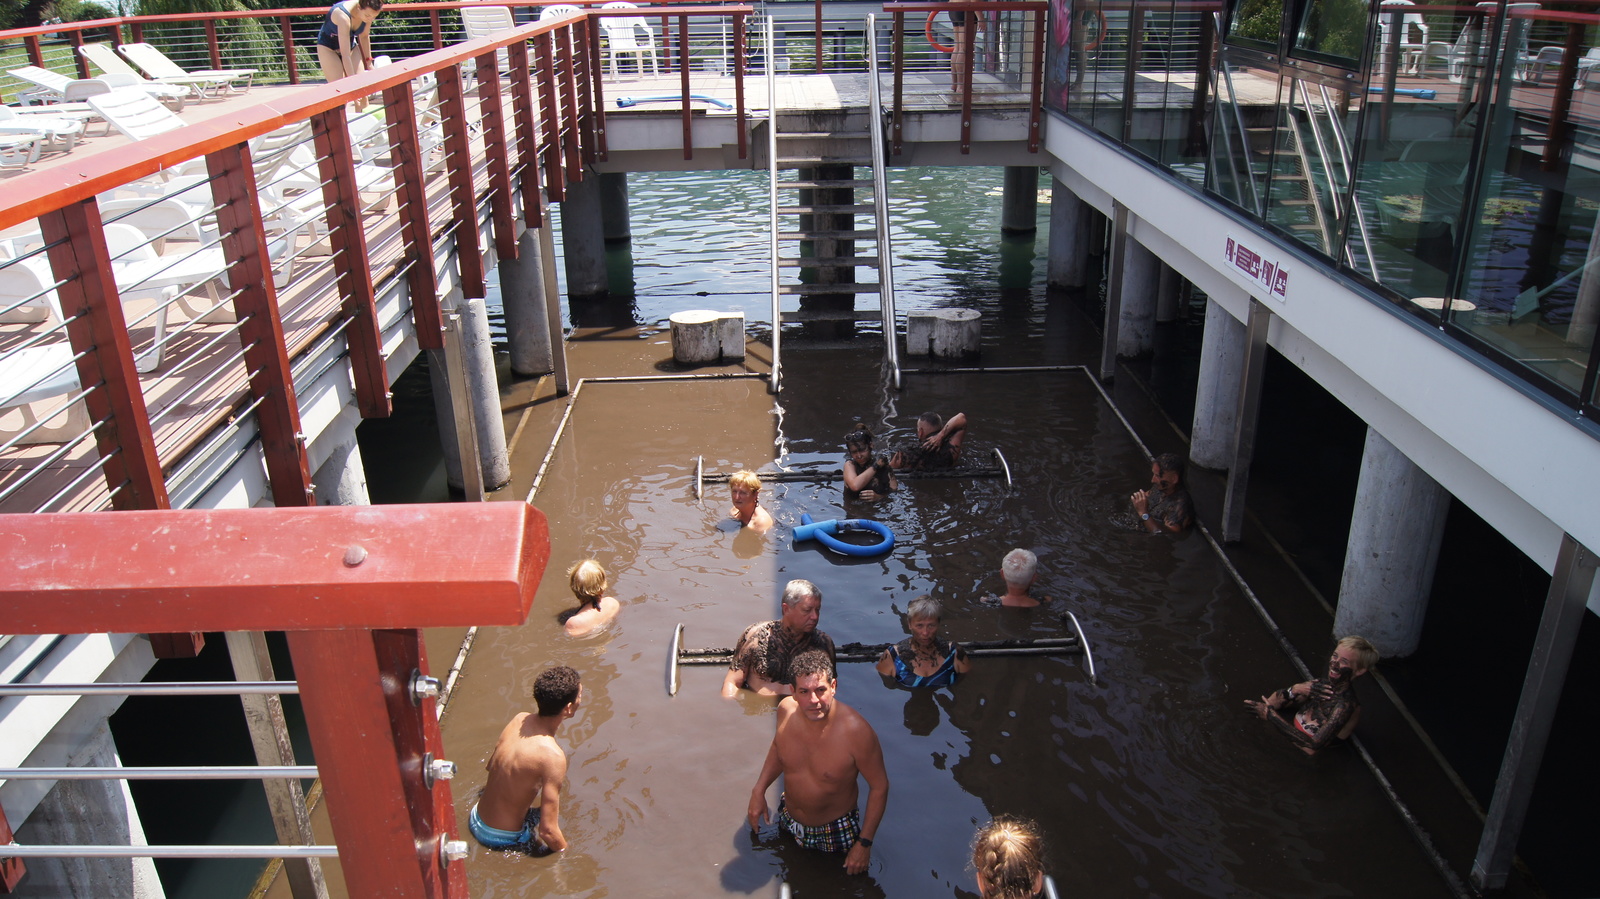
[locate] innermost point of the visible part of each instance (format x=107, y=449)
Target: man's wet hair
x=923, y=607
x=858, y=436
x=798, y=589
x=1171, y=462
x=1019, y=567
x=554, y=689
x=931, y=419
x=813, y=661
x=1366, y=653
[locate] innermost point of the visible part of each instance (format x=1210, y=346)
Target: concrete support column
x=1019, y=204
x=1168, y=288
x=1216, y=396
x=88, y=812
x=482, y=393
x=522, y=295
x=1069, y=238
x=341, y=480
x=1141, y=275
x=1394, y=543
x=583, y=238
x=1252, y=376
x=614, y=207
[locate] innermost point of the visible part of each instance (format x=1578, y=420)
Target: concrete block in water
x=944, y=333
x=700, y=336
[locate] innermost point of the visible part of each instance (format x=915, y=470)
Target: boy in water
x=520, y=807
x=1325, y=707
x=595, y=609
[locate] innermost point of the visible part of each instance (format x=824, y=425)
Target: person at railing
x=1008, y=855
x=746, y=490
x=1166, y=507
x=960, y=20
x=922, y=659
x=1019, y=569
x=820, y=748
x=344, y=44
x=595, y=609
x=1313, y=712
x=767, y=652
x=866, y=475
x=520, y=808
x=938, y=443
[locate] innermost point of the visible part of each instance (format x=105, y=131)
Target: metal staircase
x=817, y=195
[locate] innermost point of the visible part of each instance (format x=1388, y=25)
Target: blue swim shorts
x=495, y=838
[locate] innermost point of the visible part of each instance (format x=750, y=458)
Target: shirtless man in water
x=821, y=746
x=1325, y=707
x=763, y=661
x=520, y=807
x=746, y=490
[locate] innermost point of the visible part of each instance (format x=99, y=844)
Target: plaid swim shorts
x=835, y=836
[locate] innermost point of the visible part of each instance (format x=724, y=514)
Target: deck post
x=1114, y=291
x=1019, y=207
x=1069, y=238
x=522, y=287
x=583, y=239
x=1216, y=395
x=614, y=207
x=1251, y=377
x=1141, y=276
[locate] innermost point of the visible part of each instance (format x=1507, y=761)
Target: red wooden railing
x=350, y=584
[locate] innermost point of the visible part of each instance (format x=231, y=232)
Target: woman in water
x=595, y=609
x=922, y=659
x=344, y=45
x=745, y=490
x=1009, y=857
x=864, y=475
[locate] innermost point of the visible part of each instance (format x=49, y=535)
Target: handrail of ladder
x=772, y=202
x=880, y=191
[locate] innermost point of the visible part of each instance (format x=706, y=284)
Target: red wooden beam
x=492, y=114
x=342, y=197
x=572, y=116
x=411, y=203
x=1036, y=96
x=255, y=304
x=213, y=46
x=527, y=134
x=317, y=567
x=286, y=26
x=549, y=97
x=35, y=52
x=683, y=81
x=897, y=126
x=738, y=83
x=595, y=95
x=463, y=196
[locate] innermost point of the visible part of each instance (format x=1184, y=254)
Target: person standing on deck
x=820, y=747
x=520, y=807
x=767, y=652
x=344, y=44
x=938, y=443
x=1166, y=507
x=745, y=488
x=1325, y=707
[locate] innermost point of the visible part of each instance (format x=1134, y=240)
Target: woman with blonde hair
x=595, y=609
x=1009, y=857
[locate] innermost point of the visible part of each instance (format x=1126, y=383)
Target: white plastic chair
x=1411, y=23
x=135, y=113
x=50, y=85
x=482, y=21
x=623, y=38
x=558, y=11
x=107, y=60
x=161, y=68
x=57, y=128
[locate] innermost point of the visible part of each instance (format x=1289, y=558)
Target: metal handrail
x=163, y=772
x=170, y=851
x=880, y=191
x=772, y=203
x=174, y=688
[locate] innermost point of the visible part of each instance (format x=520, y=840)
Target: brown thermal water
x=1153, y=783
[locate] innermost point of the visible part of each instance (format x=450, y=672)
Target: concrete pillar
x=1394, y=542
x=1019, y=205
x=583, y=238
x=1069, y=239
x=1168, y=287
x=483, y=390
x=88, y=812
x=1141, y=275
x=614, y=207
x=522, y=295
x=341, y=480
x=1216, y=396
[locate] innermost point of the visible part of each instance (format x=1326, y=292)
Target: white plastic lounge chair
x=161, y=68
x=135, y=113
x=56, y=128
x=20, y=150
x=482, y=21
x=50, y=84
x=630, y=36
x=30, y=378
x=558, y=11
x=107, y=61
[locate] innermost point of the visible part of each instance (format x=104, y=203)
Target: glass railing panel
x=1169, y=113
x=1243, y=128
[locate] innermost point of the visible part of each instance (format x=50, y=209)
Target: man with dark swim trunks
x=766, y=653
x=1325, y=707
x=520, y=808
x=938, y=443
x=1165, y=508
x=820, y=748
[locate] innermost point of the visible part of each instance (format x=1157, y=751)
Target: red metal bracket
x=11, y=869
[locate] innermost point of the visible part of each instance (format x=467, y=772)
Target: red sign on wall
x=1259, y=264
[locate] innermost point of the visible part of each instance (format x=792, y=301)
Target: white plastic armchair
x=629, y=36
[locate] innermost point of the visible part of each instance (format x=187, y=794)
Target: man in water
x=766, y=653
x=1019, y=569
x=746, y=490
x=820, y=747
x=1325, y=707
x=520, y=807
x=1165, y=507
x=938, y=443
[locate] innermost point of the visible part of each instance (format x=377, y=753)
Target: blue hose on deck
x=823, y=532
x=626, y=102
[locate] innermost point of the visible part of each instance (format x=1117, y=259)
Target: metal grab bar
x=880, y=190
x=175, y=772
x=173, y=851
x=772, y=202
x=168, y=688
